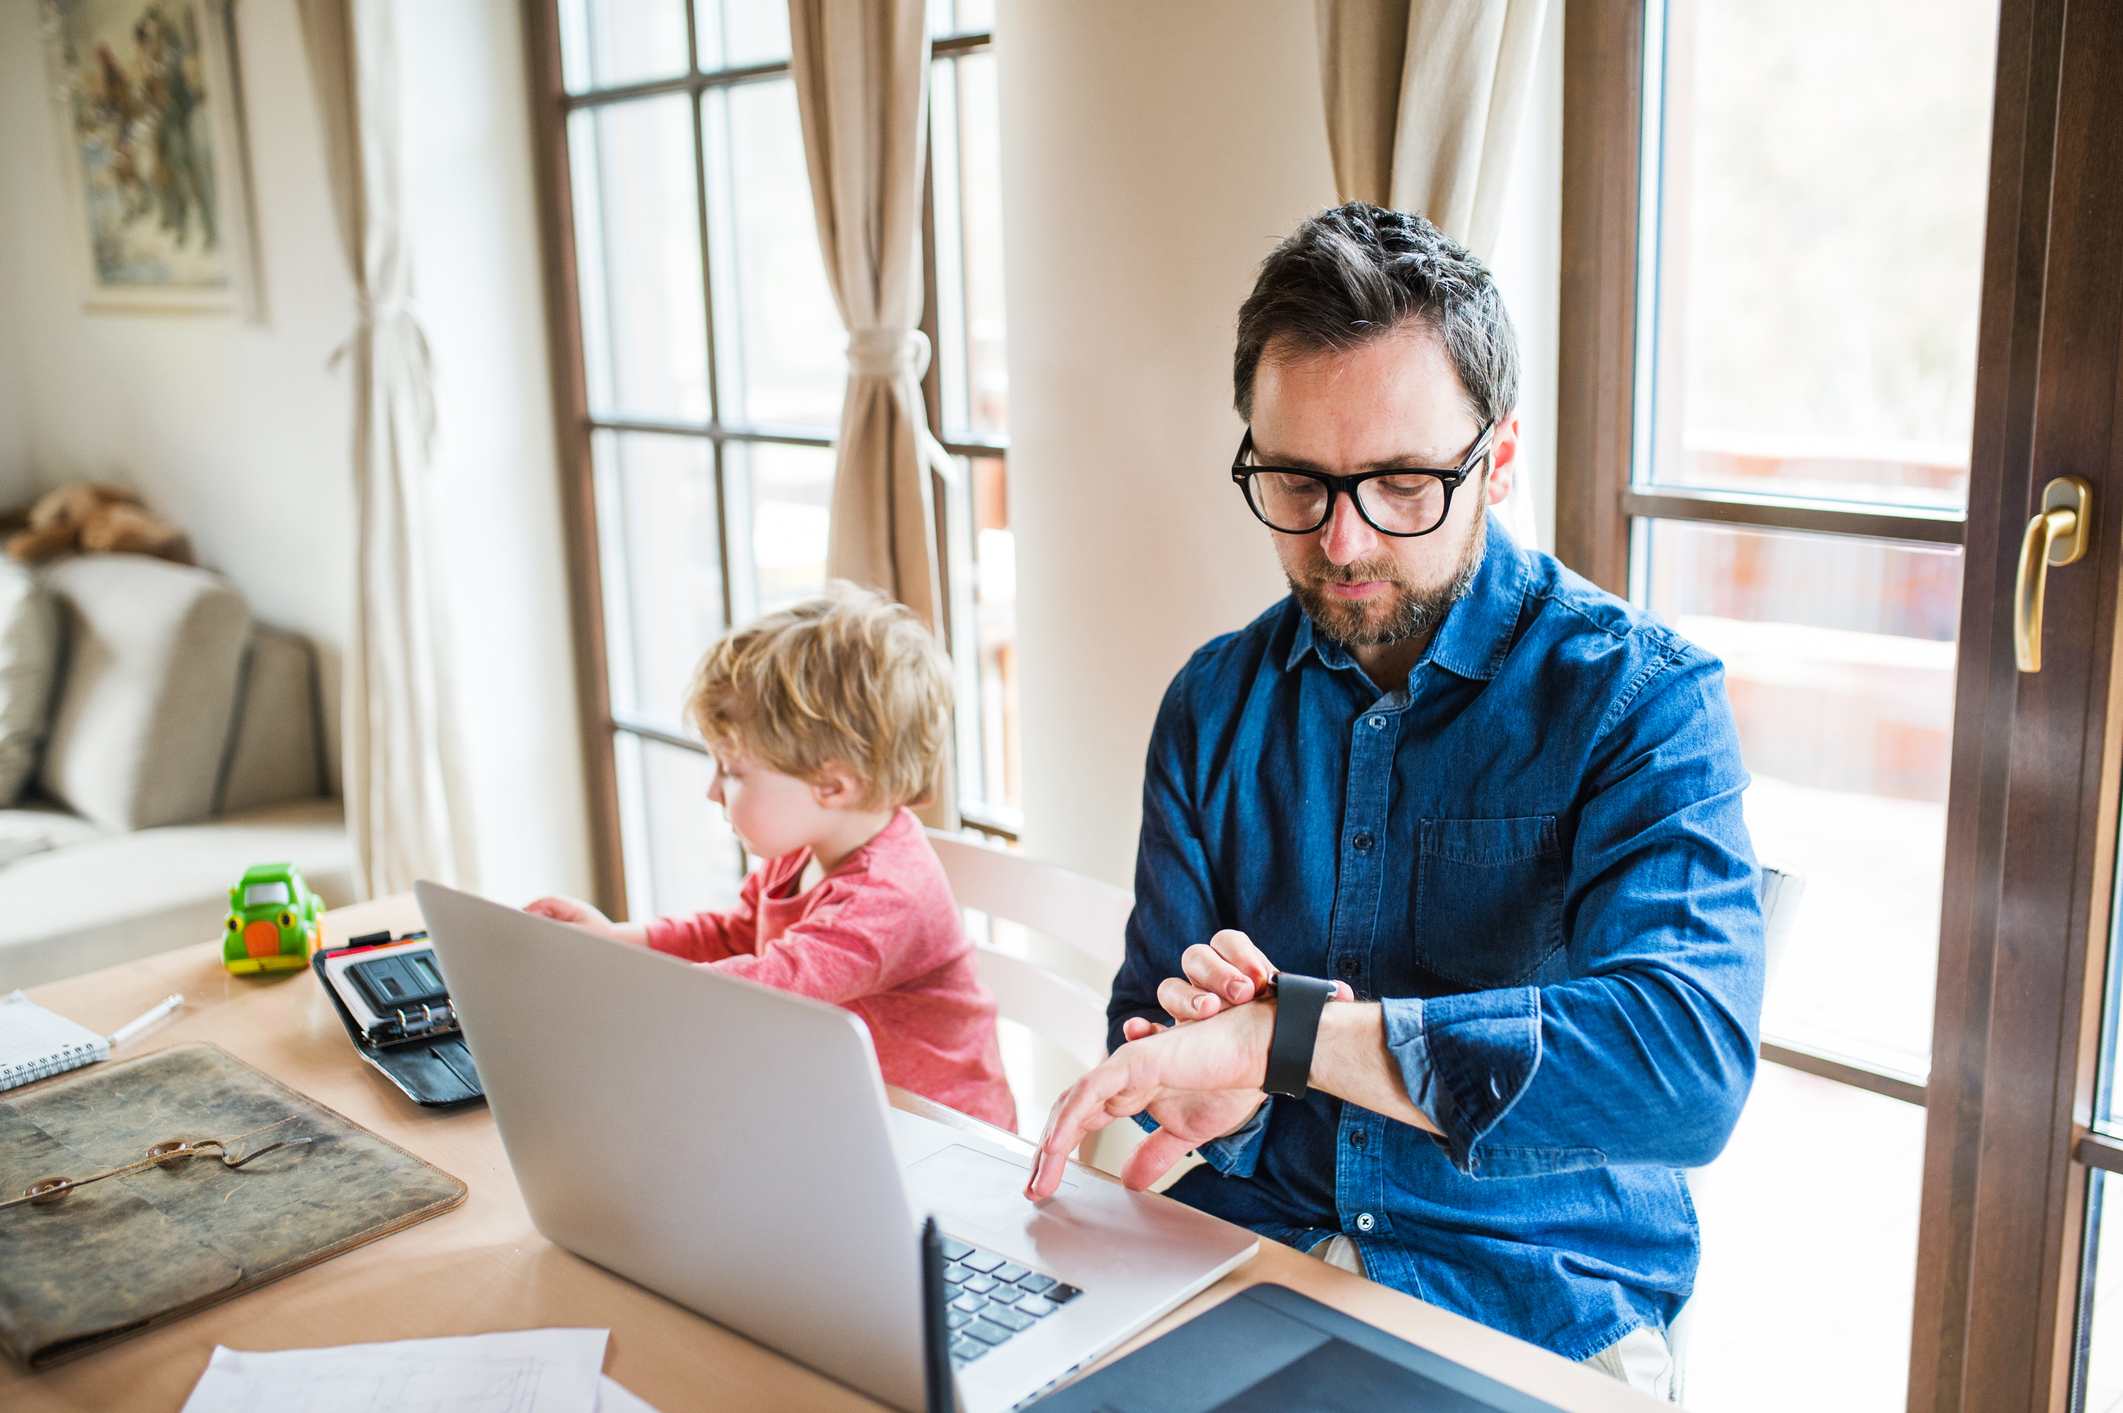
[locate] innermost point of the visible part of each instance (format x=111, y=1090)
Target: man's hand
x=1196, y=1073
x=562, y=909
x=1229, y=971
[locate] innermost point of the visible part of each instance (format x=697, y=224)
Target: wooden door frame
x=1986, y=689
x=2032, y=840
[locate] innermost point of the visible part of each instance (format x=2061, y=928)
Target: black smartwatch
x=1298, y=1003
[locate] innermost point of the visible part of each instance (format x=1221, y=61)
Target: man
x=1498, y=808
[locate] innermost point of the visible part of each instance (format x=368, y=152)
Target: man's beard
x=1410, y=612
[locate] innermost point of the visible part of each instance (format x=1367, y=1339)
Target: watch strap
x=1299, y=1001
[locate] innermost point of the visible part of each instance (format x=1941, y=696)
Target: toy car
x=272, y=921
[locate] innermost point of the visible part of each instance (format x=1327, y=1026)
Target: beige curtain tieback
x=887, y=353
x=398, y=313
x=373, y=314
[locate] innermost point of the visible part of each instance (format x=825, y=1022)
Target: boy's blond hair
x=849, y=678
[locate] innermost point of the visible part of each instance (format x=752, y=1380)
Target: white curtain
x=862, y=73
x=1424, y=102
x=405, y=808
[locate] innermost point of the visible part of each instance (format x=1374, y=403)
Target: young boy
x=826, y=721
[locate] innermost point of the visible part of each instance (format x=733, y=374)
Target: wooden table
x=484, y=1267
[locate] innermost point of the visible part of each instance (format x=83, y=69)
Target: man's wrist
x=1261, y=1013
x=1354, y=1063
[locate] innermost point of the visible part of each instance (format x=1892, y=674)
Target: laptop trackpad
x=958, y=1177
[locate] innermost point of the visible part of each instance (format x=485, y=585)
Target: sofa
x=155, y=741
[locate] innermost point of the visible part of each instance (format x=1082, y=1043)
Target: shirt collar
x=1476, y=634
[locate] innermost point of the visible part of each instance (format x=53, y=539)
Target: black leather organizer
x=408, y=1030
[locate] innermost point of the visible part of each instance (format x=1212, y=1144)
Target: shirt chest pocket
x=1488, y=898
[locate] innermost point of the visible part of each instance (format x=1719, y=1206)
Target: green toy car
x=272, y=922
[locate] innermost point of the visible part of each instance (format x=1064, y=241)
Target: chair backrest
x=1781, y=894
x=1086, y=917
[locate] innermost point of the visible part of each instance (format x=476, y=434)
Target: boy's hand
x=562, y=909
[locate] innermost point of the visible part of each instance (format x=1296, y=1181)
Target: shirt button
x=1362, y=842
x=1359, y=1139
x=1350, y=967
x=1377, y=723
x=1364, y=1221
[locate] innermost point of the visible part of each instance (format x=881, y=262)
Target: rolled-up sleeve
x=1647, y=1053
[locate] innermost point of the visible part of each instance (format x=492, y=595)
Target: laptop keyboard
x=992, y=1299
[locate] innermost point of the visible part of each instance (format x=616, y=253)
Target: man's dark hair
x=1359, y=272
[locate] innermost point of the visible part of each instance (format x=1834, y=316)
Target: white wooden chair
x=1047, y=942
x=1781, y=893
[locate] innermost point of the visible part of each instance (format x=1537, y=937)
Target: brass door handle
x=2057, y=535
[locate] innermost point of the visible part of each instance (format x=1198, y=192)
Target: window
x=1781, y=442
x=712, y=366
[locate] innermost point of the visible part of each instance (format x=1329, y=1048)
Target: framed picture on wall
x=151, y=138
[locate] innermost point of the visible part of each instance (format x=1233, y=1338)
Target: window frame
x=577, y=426
x=1606, y=206
x=2017, y=1028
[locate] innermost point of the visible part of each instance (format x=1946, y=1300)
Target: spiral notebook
x=35, y=1042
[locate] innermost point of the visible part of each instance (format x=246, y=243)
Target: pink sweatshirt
x=880, y=936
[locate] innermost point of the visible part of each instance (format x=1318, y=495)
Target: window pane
x=954, y=17
x=2108, y=1111
x=783, y=493
x=606, y=43
x=737, y=34
x=637, y=242
x=994, y=637
x=680, y=854
x=1809, y=1222
x=948, y=191
x=1839, y=660
x=2101, y=1317
x=975, y=15
x=969, y=273
x=781, y=351
x=2100, y=1374
x=661, y=564
x=1819, y=246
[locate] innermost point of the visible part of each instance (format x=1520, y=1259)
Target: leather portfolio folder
x=125, y=1254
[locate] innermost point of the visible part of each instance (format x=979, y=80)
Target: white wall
x=16, y=485
x=235, y=431
x=240, y=433
x=1152, y=156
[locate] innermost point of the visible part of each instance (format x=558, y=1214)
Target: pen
x=153, y=1013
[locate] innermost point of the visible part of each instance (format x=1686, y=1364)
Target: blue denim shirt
x=1532, y=853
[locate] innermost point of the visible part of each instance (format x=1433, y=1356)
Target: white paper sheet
x=520, y=1371
x=614, y=1399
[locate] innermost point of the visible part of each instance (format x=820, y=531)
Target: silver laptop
x=730, y=1146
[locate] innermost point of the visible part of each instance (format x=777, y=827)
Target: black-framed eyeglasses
x=1403, y=501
